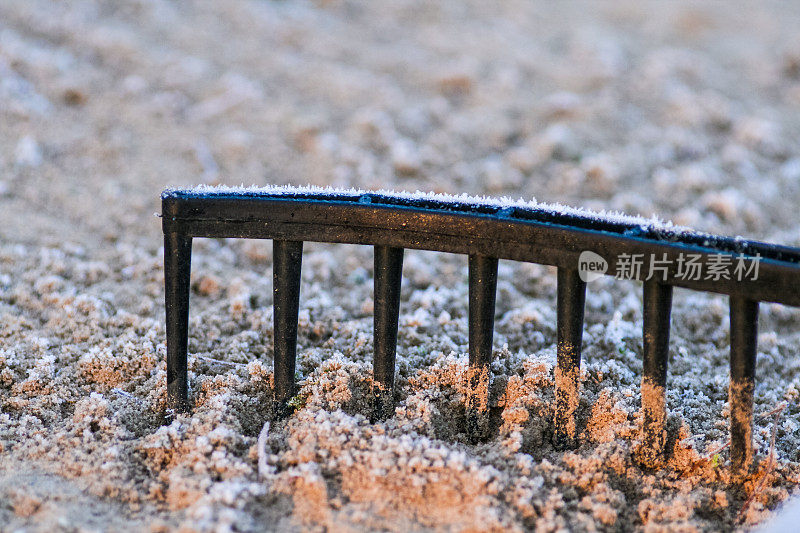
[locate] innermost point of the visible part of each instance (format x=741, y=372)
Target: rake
x=582, y=245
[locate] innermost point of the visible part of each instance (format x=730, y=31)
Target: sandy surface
x=691, y=114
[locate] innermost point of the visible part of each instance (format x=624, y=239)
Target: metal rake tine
x=744, y=339
x=287, y=257
x=177, y=272
x=657, y=308
x=388, y=277
x=482, y=296
x=571, y=296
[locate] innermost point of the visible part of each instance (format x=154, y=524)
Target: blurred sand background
x=691, y=112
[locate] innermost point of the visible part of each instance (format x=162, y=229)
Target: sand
x=689, y=114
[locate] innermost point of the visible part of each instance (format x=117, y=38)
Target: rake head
x=580, y=244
